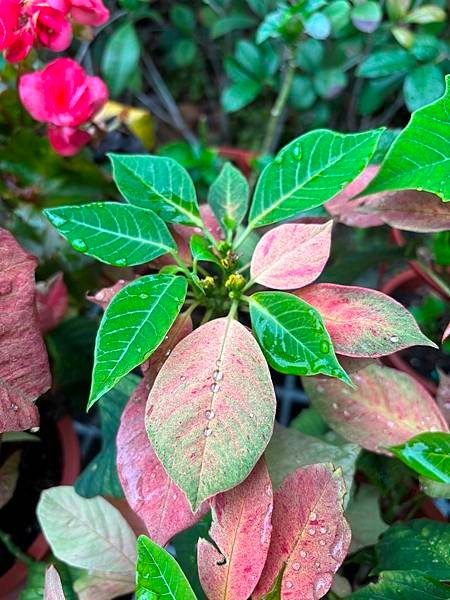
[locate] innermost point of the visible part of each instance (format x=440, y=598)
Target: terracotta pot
x=12, y=580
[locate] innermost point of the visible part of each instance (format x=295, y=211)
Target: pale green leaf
x=120, y=58
x=228, y=197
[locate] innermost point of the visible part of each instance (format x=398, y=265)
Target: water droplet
x=14, y=406
x=121, y=262
x=324, y=347
x=312, y=516
x=393, y=339
x=153, y=475
x=57, y=221
x=218, y=362
x=79, y=245
x=334, y=405
x=390, y=424
x=182, y=378
x=322, y=585
x=346, y=413
x=168, y=352
x=34, y=429
x=312, y=531
x=277, y=160
x=296, y=566
x=317, y=564
x=5, y=287
x=207, y=432
x=100, y=295
x=166, y=337
x=174, y=496
x=289, y=585
x=303, y=553
x=210, y=414
x=298, y=152
x=322, y=542
x=215, y=387
x=143, y=296
x=218, y=375
x=323, y=530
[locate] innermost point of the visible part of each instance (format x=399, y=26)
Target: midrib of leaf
x=233, y=544
x=162, y=575
x=268, y=210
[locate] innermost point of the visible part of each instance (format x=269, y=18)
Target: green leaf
x=308, y=172
x=201, y=250
x=329, y=83
x=419, y=158
x=419, y=544
x=302, y=95
x=120, y=58
x=99, y=478
x=367, y=16
x=158, y=575
x=133, y=325
x=386, y=62
x=117, y=234
x=318, y=26
x=434, y=489
x=403, y=585
x=423, y=86
x=428, y=454
x=428, y=13
x=292, y=336
x=228, y=197
x=240, y=94
x=231, y=23
x=363, y=514
x=158, y=183
x=338, y=13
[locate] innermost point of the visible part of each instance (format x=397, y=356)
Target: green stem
x=206, y=316
x=14, y=550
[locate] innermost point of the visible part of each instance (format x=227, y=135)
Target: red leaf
x=24, y=370
x=386, y=408
x=291, y=255
x=104, y=296
x=310, y=536
x=241, y=529
x=363, y=322
x=52, y=301
x=149, y=491
x=53, y=587
x=443, y=395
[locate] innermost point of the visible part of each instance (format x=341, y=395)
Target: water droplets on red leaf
x=241, y=530
x=104, y=296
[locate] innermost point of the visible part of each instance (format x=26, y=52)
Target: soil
x=40, y=468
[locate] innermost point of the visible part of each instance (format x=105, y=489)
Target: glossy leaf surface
x=293, y=336
x=213, y=401
x=403, y=585
x=386, y=408
x=428, y=454
x=158, y=183
x=241, y=530
x=310, y=536
x=117, y=234
x=308, y=172
x=363, y=322
x=134, y=324
x=228, y=197
x=291, y=255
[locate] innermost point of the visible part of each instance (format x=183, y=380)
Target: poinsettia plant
x=231, y=293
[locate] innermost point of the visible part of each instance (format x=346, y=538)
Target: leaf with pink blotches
x=443, y=395
x=211, y=410
x=409, y=210
x=386, y=408
x=310, y=535
x=149, y=491
x=291, y=255
x=104, y=296
x=52, y=300
x=24, y=370
x=241, y=530
x=363, y=322
x=350, y=212
x=53, y=589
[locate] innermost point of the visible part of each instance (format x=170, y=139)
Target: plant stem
x=14, y=550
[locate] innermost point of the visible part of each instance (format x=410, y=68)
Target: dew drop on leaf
x=218, y=375
x=325, y=347
x=289, y=584
x=323, y=530
x=143, y=296
x=121, y=262
x=57, y=221
x=210, y=414
x=207, y=432
x=296, y=566
x=34, y=429
x=312, y=516
x=303, y=553
x=393, y=339
x=79, y=245
x=312, y=531
x=215, y=387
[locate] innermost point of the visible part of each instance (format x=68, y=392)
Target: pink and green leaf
x=241, y=530
x=363, y=322
x=211, y=410
x=310, y=535
x=53, y=587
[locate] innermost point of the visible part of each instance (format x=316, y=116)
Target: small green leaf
x=158, y=183
x=121, y=58
x=329, y=83
x=428, y=454
x=308, y=172
x=428, y=13
x=201, y=250
x=318, y=26
x=423, y=86
x=228, y=197
x=158, y=575
x=117, y=234
x=292, y=336
x=386, y=62
x=367, y=16
x=231, y=23
x=403, y=585
x=434, y=489
x=133, y=325
x=239, y=94
x=419, y=158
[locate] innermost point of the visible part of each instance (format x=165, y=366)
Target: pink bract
x=50, y=26
x=9, y=20
x=89, y=12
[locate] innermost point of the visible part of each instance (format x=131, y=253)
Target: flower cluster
x=46, y=23
x=64, y=97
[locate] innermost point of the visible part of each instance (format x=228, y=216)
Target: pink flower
x=89, y=12
x=64, y=97
x=9, y=21
x=20, y=45
x=50, y=26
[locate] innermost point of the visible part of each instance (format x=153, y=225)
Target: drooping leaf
x=241, y=530
x=99, y=478
x=428, y=454
x=310, y=535
x=363, y=514
x=53, y=587
x=291, y=255
x=158, y=575
x=308, y=172
x=386, y=408
x=420, y=544
x=420, y=156
x=403, y=585
x=290, y=449
x=228, y=197
x=117, y=234
x=134, y=324
x=24, y=370
x=103, y=586
x=150, y=492
x=86, y=533
x=363, y=322
x=52, y=300
x=158, y=183
x=292, y=335
x=214, y=392
x=9, y=474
